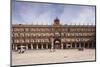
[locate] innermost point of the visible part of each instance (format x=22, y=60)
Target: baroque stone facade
x=55, y=36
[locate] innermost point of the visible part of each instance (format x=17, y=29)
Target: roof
x=25, y=25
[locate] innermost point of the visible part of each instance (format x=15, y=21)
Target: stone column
x=75, y=45
x=52, y=45
x=84, y=44
x=46, y=46
x=37, y=47
x=71, y=45
x=61, y=45
x=88, y=44
x=41, y=46
x=79, y=45
x=16, y=48
x=31, y=46
x=13, y=46
x=92, y=44
x=26, y=46
x=66, y=46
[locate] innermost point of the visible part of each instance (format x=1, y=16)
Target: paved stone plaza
x=45, y=56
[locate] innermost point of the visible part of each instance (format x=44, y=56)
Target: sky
x=45, y=13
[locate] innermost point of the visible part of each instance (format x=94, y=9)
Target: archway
x=57, y=43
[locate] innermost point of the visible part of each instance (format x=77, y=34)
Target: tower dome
x=56, y=22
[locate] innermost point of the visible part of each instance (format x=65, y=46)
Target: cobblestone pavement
x=46, y=56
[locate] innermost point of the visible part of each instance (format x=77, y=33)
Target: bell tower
x=56, y=30
x=56, y=22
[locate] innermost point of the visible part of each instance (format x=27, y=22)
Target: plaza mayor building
x=54, y=36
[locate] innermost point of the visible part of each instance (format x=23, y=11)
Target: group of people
x=21, y=49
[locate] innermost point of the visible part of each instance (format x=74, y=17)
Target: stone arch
x=57, y=43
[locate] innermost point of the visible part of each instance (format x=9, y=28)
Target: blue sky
x=43, y=13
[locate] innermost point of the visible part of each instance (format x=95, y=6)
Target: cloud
x=85, y=16
x=39, y=13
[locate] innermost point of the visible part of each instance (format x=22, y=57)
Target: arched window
x=21, y=40
x=16, y=41
x=27, y=40
x=16, y=35
x=21, y=34
x=32, y=40
x=27, y=34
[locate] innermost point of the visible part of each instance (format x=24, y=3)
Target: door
x=57, y=44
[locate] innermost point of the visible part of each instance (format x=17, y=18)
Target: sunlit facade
x=55, y=36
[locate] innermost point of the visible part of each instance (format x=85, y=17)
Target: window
x=32, y=29
x=21, y=34
x=57, y=34
x=12, y=29
x=62, y=34
x=27, y=34
x=42, y=40
x=33, y=34
x=26, y=29
x=93, y=29
x=68, y=29
x=43, y=34
x=42, y=29
x=80, y=34
x=39, y=34
x=63, y=29
x=72, y=29
x=11, y=41
x=16, y=41
x=16, y=35
x=51, y=34
x=68, y=39
x=16, y=29
x=21, y=40
x=21, y=29
x=32, y=40
x=68, y=34
x=72, y=34
x=63, y=40
x=46, y=40
x=37, y=40
x=12, y=35
x=27, y=40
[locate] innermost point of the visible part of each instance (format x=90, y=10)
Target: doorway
x=57, y=44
